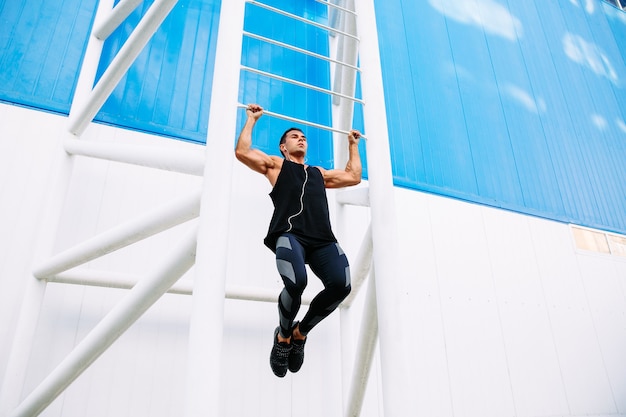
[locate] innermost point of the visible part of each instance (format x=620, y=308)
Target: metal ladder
x=385, y=303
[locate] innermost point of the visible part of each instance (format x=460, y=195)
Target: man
x=300, y=233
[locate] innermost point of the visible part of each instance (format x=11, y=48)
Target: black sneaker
x=296, y=356
x=279, y=357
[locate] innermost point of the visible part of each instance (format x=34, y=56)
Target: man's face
x=295, y=143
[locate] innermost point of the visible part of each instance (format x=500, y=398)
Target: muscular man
x=300, y=233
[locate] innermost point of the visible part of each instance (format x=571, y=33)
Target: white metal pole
x=361, y=268
x=113, y=19
x=149, y=224
x=111, y=279
x=207, y=318
x=133, y=46
x=185, y=161
x=358, y=196
x=349, y=49
x=392, y=299
x=346, y=82
x=112, y=326
x=15, y=374
x=364, y=352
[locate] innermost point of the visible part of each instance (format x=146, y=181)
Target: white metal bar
x=338, y=71
x=266, y=295
x=304, y=122
x=301, y=19
x=133, y=46
x=185, y=161
x=336, y=6
x=343, y=118
x=366, y=347
x=300, y=50
x=112, y=326
x=392, y=299
x=361, y=268
x=207, y=317
x=112, y=279
x=359, y=196
x=155, y=221
x=346, y=82
x=116, y=16
x=301, y=84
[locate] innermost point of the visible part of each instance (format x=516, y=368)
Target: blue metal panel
x=282, y=97
x=518, y=105
x=512, y=104
x=587, y=185
x=167, y=89
x=523, y=104
x=489, y=142
x=430, y=145
x=42, y=45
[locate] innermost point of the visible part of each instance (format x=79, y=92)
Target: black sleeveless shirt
x=300, y=206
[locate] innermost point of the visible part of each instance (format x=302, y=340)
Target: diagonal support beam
x=114, y=18
x=112, y=326
x=125, y=57
x=122, y=235
x=364, y=352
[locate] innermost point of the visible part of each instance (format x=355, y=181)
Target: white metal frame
x=376, y=257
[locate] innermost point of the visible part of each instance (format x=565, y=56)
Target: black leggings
x=328, y=262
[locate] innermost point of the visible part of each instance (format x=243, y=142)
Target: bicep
x=337, y=178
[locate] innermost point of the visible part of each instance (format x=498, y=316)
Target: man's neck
x=296, y=159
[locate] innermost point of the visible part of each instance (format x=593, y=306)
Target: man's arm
x=351, y=175
x=253, y=158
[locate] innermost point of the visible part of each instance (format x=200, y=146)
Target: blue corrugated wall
x=41, y=48
x=514, y=104
x=282, y=97
x=167, y=90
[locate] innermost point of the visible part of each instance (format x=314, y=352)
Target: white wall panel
x=418, y=264
x=479, y=380
x=27, y=149
x=577, y=345
x=531, y=356
x=604, y=290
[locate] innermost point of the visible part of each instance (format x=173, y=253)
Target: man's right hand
x=254, y=111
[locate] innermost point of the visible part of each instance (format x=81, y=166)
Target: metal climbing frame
x=384, y=302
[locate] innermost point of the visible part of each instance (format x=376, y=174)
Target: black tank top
x=300, y=206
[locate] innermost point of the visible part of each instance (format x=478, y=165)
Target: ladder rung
x=303, y=51
x=302, y=19
x=301, y=84
x=336, y=6
x=304, y=122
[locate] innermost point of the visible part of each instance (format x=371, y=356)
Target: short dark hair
x=283, y=138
